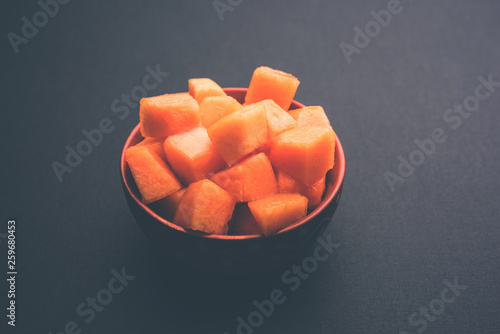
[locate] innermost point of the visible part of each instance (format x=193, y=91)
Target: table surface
x=418, y=246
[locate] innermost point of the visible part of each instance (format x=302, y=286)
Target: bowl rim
x=327, y=200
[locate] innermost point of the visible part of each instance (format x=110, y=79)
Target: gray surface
x=396, y=248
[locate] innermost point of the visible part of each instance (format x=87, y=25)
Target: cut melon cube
x=313, y=193
x=276, y=212
x=165, y=115
x=305, y=153
x=310, y=116
x=249, y=180
x=205, y=207
x=268, y=83
x=151, y=174
x=240, y=132
x=192, y=155
x=278, y=120
x=200, y=88
x=213, y=108
x=244, y=221
x=166, y=207
x=155, y=144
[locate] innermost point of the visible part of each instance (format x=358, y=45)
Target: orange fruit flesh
x=200, y=88
x=165, y=115
x=205, y=207
x=239, y=133
x=249, y=180
x=268, y=83
x=152, y=176
x=310, y=116
x=313, y=193
x=305, y=153
x=192, y=155
x=276, y=212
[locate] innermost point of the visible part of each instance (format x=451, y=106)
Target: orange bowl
x=230, y=254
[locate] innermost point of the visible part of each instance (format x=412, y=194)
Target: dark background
x=396, y=248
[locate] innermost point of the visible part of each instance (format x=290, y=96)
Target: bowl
x=228, y=254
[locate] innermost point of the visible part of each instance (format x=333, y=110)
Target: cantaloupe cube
x=192, y=155
x=165, y=115
x=244, y=221
x=248, y=180
x=240, y=132
x=213, y=108
x=151, y=174
x=305, y=153
x=156, y=144
x=276, y=212
x=205, y=207
x=278, y=120
x=268, y=83
x=313, y=193
x=310, y=116
x=166, y=207
x=200, y=88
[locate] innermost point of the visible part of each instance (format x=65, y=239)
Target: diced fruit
x=213, y=108
x=166, y=207
x=244, y=221
x=278, y=120
x=192, y=155
x=155, y=144
x=259, y=159
x=268, y=83
x=151, y=174
x=276, y=212
x=310, y=116
x=200, y=88
x=249, y=180
x=205, y=207
x=240, y=132
x=165, y=115
x=305, y=153
x=313, y=193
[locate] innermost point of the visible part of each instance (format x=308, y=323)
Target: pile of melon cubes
x=209, y=164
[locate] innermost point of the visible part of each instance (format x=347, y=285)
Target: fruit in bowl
x=231, y=168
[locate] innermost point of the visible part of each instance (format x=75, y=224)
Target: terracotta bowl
x=226, y=254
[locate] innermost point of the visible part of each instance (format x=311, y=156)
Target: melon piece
x=313, y=193
x=151, y=174
x=278, y=120
x=240, y=132
x=276, y=212
x=155, y=144
x=192, y=155
x=165, y=115
x=268, y=83
x=213, y=108
x=249, y=180
x=305, y=153
x=244, y=221
x=205, y=207
x=310, y=116
x=200, y=88
x=166, y=207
